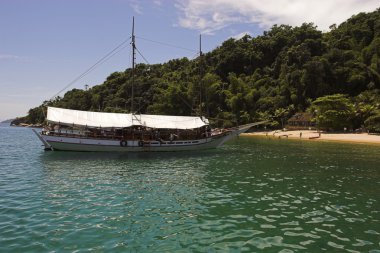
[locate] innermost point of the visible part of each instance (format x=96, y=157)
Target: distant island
x=332, y=76
x=8, y=121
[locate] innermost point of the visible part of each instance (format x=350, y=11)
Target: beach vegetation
x=372, y=123
x=333, y=112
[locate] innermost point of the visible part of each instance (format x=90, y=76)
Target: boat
x=74, y=130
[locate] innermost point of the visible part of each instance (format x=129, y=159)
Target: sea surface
x=252, y=195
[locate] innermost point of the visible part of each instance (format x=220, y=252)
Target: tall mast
x=133, y=61
x=200, y=75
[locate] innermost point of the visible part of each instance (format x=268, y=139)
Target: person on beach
x=300, y=134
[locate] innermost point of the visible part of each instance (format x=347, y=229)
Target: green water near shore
x=252, y=195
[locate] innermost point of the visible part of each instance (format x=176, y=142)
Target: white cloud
x=9, y=57
x=241, y=35
x=212, y=15
x=135, y=5
x=157, y=2
x=12, y=57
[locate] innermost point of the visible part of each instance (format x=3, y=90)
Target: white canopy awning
x=121, y=120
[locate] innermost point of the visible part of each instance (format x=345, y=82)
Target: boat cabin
x=117, y=126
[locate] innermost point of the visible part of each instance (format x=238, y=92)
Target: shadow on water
x=83, y=156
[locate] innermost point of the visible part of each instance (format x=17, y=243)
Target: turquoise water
x=252, y=195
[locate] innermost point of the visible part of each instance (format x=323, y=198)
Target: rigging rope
x=114, y=51
x=142, y=56
x=167, y=44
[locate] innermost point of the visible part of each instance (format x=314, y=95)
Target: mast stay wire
x=116, y=50
x=166, y=44
x=162, y=43
x=138, y=51
x=193, y=56
x=110, y=54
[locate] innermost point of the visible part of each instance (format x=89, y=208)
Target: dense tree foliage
x=270, y=77
x=334, y=112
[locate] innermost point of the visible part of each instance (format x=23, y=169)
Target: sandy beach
x=313, y=135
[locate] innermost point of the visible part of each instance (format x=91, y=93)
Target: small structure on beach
x=301, y=120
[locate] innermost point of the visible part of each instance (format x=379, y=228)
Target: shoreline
x=312, y=135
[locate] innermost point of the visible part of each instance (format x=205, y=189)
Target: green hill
x=271, y=76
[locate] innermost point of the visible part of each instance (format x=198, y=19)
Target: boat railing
x=145, y=136
x=83, y=136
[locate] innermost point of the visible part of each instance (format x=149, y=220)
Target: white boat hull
x=54, y=142
x=76, y=144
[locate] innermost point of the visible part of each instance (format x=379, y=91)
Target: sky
x=46, y=44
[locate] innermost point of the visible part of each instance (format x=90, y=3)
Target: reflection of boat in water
x=98, y=131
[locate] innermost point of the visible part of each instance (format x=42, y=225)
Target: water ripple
x=253, y=195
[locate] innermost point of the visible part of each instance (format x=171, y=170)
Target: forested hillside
x=272, y=76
